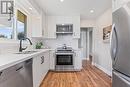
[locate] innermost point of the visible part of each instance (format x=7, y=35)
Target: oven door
x=64, y=59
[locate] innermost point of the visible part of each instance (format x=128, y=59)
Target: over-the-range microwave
x=64, y=29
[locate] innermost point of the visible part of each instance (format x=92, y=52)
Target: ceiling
x=75, y=7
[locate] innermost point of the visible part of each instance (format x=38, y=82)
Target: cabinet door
x=38, y=70
x=51, y=23
x=37, y=27
x=44, y=25
x=52, y=60
x=59, y=19
x=78, y=60
x=46, y=61
x=76, y=27
x=68, y=20
x=64, y=20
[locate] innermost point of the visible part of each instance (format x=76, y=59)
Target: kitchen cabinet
x=52, y=60
x=76, y=27
x=64, y=20
x=37, y=30
x=51, y=26
x=78, y=60
x=52, y=21
x=59, y=19
x=40, y=68
x=44, y=25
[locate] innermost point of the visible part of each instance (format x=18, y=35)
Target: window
x=6, y=19
x=6, y=29
x=6, y=32
x=21, y=25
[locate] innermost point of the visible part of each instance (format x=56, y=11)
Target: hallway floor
x=90, y=76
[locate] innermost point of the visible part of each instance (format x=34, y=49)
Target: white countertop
x=8, y=60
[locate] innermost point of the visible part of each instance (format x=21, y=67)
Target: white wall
x=102, y=58
x=87, y=23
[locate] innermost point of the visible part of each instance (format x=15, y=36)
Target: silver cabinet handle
x=112, y=42
x=42, y=59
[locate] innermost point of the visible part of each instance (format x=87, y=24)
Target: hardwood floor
x=90, y=76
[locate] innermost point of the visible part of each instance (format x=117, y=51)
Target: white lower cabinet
x=40, y=68
x=52, y=60
x=78, y=60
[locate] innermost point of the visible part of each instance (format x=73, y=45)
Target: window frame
x=25, y=22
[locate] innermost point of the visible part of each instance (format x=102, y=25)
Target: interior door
x=121, y=20
x=120, y=80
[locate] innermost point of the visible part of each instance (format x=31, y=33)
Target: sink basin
x=26, y=52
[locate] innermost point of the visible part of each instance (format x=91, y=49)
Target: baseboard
x=93, y=63
x=87, y=59
x=103, y=69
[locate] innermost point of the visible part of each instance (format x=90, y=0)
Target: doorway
x=86, y=43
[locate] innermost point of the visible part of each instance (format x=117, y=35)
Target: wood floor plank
x=89, y=76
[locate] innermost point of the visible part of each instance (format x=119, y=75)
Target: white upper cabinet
x=51, y=27
x=52, y=21
x=76, y=27
x=59, y=19
x=37, y=30
x=64, y=20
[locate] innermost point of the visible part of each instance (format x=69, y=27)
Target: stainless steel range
x=64, y=58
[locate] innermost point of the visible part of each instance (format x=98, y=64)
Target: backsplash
x=10, y=46
x=13, y=46
x=60, y=40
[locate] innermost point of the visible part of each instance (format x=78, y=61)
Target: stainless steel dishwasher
x=19, y=75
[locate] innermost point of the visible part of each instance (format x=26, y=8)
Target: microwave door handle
x=112, y=42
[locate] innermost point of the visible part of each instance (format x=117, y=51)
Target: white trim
x=103, y=69
x=93, y=63
x=87, y=59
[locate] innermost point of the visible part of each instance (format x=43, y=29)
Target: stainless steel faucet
x=20, y=47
